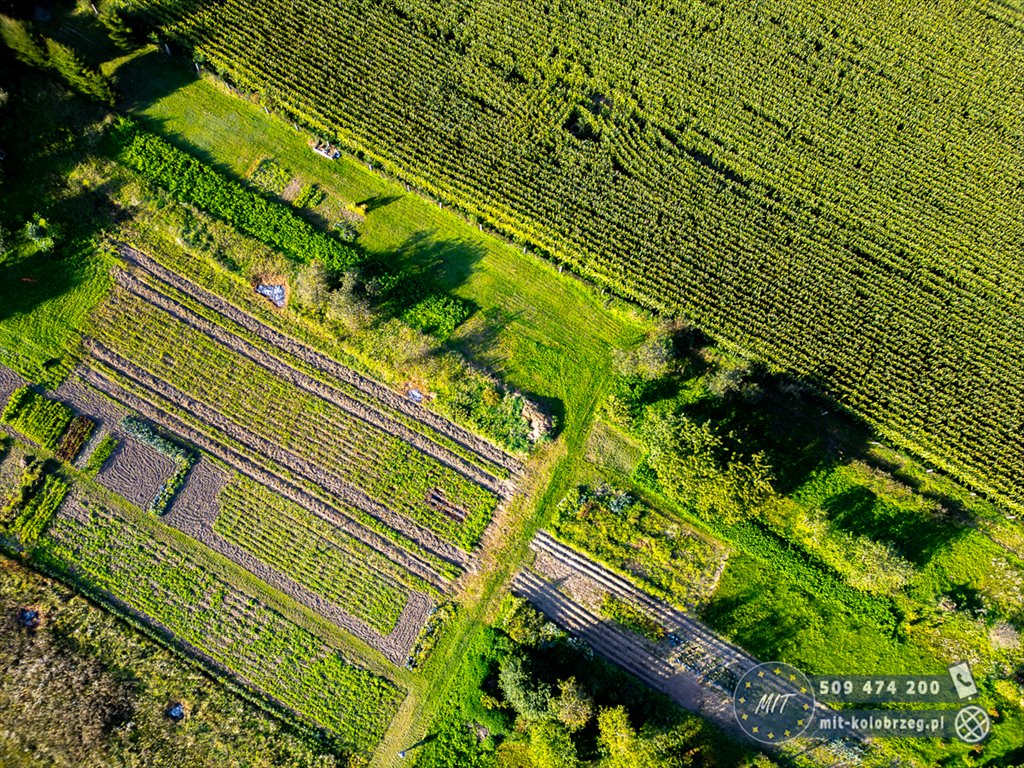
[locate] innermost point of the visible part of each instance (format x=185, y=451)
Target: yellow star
x=761, y=673
x=754, y=729
x=803, y=690
x=792, y=677
x=778, y=671
x=799, y=722
x=748, y=684
x=806, y=707
x=745, y=717
x=786, y=734
x=743, y=700
x=771, y=735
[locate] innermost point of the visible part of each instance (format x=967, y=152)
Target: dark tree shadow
x=916, y=536
x=377, y=202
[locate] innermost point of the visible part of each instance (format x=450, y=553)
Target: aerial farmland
x=511, y=385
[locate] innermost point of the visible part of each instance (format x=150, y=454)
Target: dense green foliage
x=388, y=469
x=83, y=688
x=28, y=510
x=39, y=510
x=630, y=617
x=437, y=315
x=103, y=451
x=50, y=53
x=191, y=181
x=544, y=701
x=646, y=546
x=37, y=416
x=314, y=553
x=184, y=459
x=786, y=176
x=152, y=574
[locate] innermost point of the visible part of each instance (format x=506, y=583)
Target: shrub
x=100, y=454
x=36, y=416
x=438, y=314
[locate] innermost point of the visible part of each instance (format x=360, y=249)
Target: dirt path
x=332, y=395
x=194, y=513
x=374, y=389
x=246, y=466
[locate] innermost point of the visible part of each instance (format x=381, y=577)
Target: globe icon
x=972, y=724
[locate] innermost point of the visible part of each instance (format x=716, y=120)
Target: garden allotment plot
x=357, y=504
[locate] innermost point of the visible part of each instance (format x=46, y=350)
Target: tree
x=77, y=73
x=623, y=748
x=19, y=38
x=347, y=308
x=573, y=706
x=523, y=624
x=311, y=286
x=694, y=466
x=551, y=746
x=527, y=697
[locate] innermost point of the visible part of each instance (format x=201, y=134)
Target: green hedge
x=192, y=181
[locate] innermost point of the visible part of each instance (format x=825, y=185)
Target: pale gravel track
x=248, y=468
x=194, y=513
x=383, y=394
x=274, y=453
x=330, y=394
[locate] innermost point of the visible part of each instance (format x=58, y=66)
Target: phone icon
x=963, y=680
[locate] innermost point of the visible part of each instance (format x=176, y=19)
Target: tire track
x=332, y=395
x=245, y=466
x=379, y=392
x=313, y=472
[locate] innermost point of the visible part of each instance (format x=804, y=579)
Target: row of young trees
x=47, y=53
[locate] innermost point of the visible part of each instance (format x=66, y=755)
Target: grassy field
x=544, y=333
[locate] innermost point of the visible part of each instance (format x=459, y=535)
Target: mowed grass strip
x=390, y=471
x=314, y=553
x=129, y=557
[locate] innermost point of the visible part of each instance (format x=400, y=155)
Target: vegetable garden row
x=132, y=557
x=830, y=188
x=390, y=471
x=322, y=557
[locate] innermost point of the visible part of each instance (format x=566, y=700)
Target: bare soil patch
x=135, y=472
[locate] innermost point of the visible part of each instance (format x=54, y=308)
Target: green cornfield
x=831, y=187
